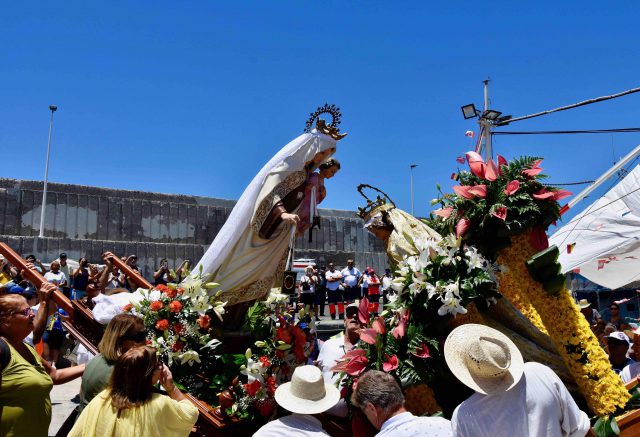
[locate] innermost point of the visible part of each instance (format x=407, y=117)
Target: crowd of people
x=339, y=288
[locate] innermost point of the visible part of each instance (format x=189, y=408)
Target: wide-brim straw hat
x=584, y=303
x=307, y=393
x=483, y=358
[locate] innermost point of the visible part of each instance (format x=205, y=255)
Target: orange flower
x=175, y=306
x=180, y=290
x=162, y=325
x=156, y=305
x=162, y=288
x=178, y=328
x=171, y=293
x=127, y=308
x=204, y=322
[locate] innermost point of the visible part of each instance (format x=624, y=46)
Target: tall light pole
x=53, y=109
x=411, y=167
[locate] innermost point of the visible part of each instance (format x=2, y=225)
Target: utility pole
x=411, y=167
x=53, y=109
x=486, y=124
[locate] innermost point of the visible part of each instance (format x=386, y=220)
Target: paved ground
x=62, y=405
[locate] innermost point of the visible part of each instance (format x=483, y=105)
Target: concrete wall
x=83, y=220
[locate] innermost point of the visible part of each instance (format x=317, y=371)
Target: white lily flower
x=451, y=305
x=254, y=370
x=276, y=296
x=189, y=357
x=193, y=287
x=432, y=290
x=201, y=304
x=452, y=288
x=219, y=310
x=474, y=259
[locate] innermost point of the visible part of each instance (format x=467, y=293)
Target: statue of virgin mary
x=248, y=256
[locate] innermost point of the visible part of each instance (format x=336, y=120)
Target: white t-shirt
x=539, y=405
x=630, y=372
x=55, y=278
x=408, y=425
x=303, y=425
x=386, y=283
x=330, y=352
x=351, y=276
x=333, y=286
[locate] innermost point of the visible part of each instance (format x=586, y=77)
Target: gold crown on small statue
x=374, y=206
x=330, y=129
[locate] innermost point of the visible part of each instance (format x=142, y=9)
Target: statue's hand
x=290, y=218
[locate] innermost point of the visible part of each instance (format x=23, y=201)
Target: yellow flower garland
x=514, y=283
x=567, y=327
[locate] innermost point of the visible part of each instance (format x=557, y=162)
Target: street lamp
x=411, y=167
x=52, y=108
x=469, y=111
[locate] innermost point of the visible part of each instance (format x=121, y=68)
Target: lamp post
x=411, y=167
x=53, y=109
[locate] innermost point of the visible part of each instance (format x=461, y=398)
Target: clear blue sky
x=193, y=97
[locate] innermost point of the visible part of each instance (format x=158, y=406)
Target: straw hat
x=584, y=303
x=307, y=392
x=483, y=358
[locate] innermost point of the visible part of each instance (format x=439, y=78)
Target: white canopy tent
x=603, y=241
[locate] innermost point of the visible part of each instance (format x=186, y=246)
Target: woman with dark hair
x=129, y=406
x=25, y=378
x=616, y=319
x=123, y=332
x=80, y=279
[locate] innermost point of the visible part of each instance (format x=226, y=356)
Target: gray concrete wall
x=86, y=221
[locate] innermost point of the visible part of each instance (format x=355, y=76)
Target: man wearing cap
x=511, y=398
x=618, y=348
x=591, y=314
x=305, y=395
x=334, y=349
x=380, y=398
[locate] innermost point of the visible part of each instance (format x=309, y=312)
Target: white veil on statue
x=245, y=264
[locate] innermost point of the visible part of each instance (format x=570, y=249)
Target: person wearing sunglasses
x=25, y=378
x=130, y=406
x=122, y=333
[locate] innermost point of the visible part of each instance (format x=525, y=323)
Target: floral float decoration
x=433, y=287
x=504, y=209
x=178, y=319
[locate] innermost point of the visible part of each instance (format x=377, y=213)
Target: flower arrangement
x=287, y=345
x=505, y=210
x=178, y=319
x=496, y=201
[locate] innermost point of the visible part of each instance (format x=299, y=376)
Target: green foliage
x=606, y=426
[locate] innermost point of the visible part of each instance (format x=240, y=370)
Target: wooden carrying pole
x=133, y=275
x=34, y=277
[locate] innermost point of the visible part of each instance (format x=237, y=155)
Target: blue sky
x=194, y=97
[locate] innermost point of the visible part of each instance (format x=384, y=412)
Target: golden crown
x=330, y=129
x=379, y=204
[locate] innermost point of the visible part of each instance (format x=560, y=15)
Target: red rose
x=178, y=328
x=253, y=388
x=271, y=386
x=180, y=290
x=162, y=288
x=162, y=325
x=175, y=306
x=171, y=293
x=127, y=308
x=204, y=322
x=265, y=407
x=156, y=305
x=177, y=346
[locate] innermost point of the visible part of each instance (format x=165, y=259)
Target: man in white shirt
x=334, y=297
x=305, y=395
x=512, y=398
x=380, y=398
x=351, y=282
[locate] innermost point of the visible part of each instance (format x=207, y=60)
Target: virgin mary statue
x=248, y=256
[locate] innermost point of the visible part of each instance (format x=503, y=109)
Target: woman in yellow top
x=129, y=407
x=25, y=379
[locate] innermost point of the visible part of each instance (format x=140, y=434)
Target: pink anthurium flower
x=444, y=212
x=422, y=351
x=476, y=164
x=363, y=311
x=478, y=190
x=463, y=191
x=502, y=161
x=469, y=134
x=561, y=194
x=368, y=335
x=401, y=329
x=534, y=170
x=460, y=159
x=462, y=227
x=353, y=354
x=390, y=364
x=352, y=367
x=539, y=239
x=378, y=325
x=512, y=187
x=491, y=171
x=543, y=194
x=500, y=212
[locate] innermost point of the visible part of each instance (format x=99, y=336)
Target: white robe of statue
x=246, y=265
